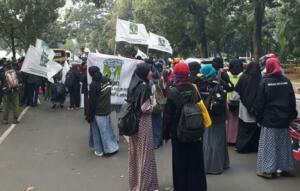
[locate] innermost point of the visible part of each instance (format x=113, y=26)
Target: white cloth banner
x=118, y=69
x=130, y=32
x=46, y=52
x=141, y=54
x=33, y=65
x=65, y=70
x=160, y=43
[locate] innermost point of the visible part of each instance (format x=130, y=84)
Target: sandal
x=265, y=175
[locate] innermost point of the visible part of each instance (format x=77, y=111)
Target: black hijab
x=236, y=67
x=248, y=85
x=139, y=90
x=194, y=68
x=97, y=79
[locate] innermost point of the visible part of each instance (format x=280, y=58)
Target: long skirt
x=216, y=158
x=275, y=151
x=248, y=137
x=157, y=130
x=232, y=127
x=103, y=137
x=142, y=165
x=188, y=166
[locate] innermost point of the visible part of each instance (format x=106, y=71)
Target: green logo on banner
x=112, y=70
x=161, y=42
x=133, y=28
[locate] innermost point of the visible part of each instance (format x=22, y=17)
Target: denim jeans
x=157, y=130
x=104, y=139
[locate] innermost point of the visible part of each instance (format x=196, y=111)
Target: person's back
x=276, y=108
x=104, y=98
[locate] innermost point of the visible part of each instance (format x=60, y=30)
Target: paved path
x=49, y=150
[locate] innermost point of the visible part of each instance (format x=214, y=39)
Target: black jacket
x=173, y=109
x=275, y=105
x=99, y=98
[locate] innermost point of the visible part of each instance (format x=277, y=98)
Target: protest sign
x=130, y=32
x=32, y=64
x=118, y=69
x=160, y=43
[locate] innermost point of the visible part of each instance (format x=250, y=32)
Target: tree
x=24, y=21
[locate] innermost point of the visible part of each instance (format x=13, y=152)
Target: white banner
x=118, y=69
x=130, y=32
x=33, y=64
x=46, y=52
x=141, y=54
x=160, y=43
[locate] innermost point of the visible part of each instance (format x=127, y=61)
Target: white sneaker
x=98, y=154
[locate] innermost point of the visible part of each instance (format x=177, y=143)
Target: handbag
x=205, y=114
x=128, y=123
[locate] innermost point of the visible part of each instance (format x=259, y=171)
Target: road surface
x=49, y=151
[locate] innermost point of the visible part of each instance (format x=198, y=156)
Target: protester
x=248, y=131
x=234, y=73
x=84, y=88
x=32, y=84
x=10, y=92
x=275, y=109
x=73, y=84
x=104, y=140
x=58, y=91
x=1, y=81
x=187, y=158
x=142, y=165
x=158, y=94
x=216, y=158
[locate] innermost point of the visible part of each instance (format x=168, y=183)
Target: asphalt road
x=49, y=151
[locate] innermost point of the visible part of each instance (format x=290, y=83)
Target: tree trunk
x=13, y=46
x=257, y=30
x=202, y=45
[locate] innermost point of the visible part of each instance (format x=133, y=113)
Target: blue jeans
x=157, y=130
x=103, y=137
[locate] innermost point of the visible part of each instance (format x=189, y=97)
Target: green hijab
x=208, y=71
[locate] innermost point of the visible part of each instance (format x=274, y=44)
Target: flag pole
x=115, y=50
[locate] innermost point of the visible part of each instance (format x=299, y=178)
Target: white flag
x=160, y=43
x=46, y=52
x=130, y=32
x=33, y=65
x=141, y=54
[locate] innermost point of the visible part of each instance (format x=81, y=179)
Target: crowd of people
x=251, y=107
x=18, y=89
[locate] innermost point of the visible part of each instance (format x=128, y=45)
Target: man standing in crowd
x=10, y=90
x=73, y=84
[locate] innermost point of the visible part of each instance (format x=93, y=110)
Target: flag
x=32, y=64
x=47, y=54
x=130, y=32
x=160, y=43
x=141, y=54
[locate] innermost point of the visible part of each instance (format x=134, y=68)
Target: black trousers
x=188, y=166
x=74, y=96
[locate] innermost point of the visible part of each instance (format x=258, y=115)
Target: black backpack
x=70, y=79
x=60, y=89
x=190, y=127
x=128, y=123
x=216, y=100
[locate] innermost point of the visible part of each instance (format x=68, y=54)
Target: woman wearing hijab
x=187, y=158
x=248, y=131
x=275, y=109
x=102, y=138
x=216, y=158
x=142, y=165
x=234, y=73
